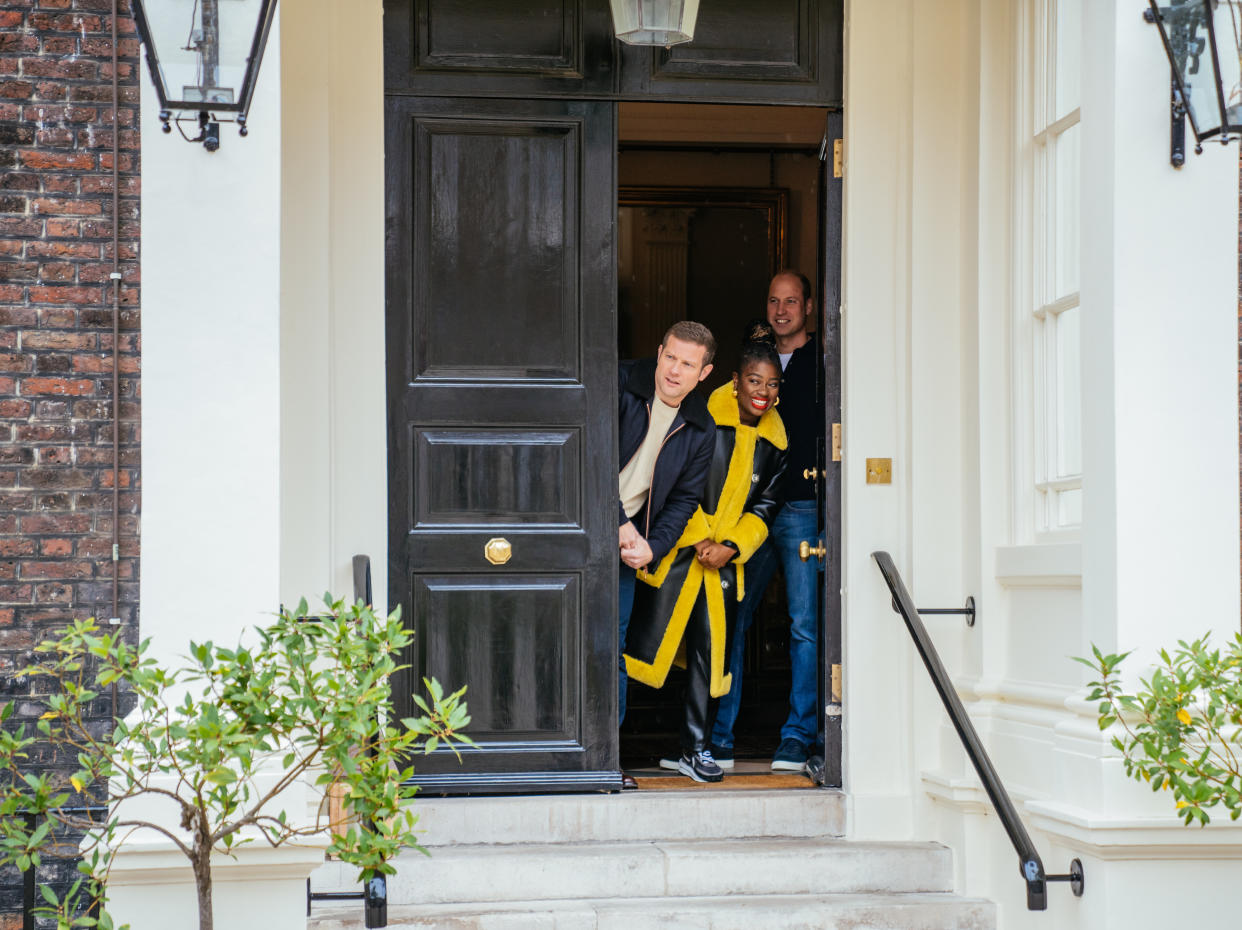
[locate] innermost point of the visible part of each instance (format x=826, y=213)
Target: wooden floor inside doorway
x=746, y=775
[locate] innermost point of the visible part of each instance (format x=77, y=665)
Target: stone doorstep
x=671, y=868
x=635, y=816
x=742, y=912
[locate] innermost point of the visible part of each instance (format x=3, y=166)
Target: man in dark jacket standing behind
x=666, y=438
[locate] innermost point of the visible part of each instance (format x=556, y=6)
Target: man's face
x=679, y=367
x=787, y=311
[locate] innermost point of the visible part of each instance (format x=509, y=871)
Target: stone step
x=668, y=868
x=631, y=816
x=738, y=912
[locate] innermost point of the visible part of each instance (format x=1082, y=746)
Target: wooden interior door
x=502, y=453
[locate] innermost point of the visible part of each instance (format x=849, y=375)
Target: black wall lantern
x=204, y=57
x=1203, y=39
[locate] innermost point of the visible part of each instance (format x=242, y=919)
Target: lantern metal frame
x=209, y=128
x=1179, y=111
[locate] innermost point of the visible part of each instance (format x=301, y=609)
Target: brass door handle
x=497, y=550
x=810, y=473
x=806, y=550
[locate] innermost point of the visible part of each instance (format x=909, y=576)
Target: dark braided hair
x=758, y=345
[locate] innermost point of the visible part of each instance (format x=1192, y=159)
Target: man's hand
x=627, y=535
x=634, y=549
x=714, y=555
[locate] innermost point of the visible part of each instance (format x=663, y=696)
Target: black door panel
x=501, y=327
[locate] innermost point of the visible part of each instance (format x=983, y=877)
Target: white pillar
x=211, y=459
x=334, y=479
x=1160, y=468
x=1160, y=388
x=211, y=375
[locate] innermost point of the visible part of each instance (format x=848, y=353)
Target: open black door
x=830, y=484
x=502, y=465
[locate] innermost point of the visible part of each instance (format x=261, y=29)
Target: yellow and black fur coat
x=740, y=499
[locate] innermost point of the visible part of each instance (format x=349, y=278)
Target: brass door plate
x=879, y=471
x=836, y=442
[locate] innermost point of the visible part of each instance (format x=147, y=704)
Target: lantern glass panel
x=1227, y=20
x=1202, y=36
x=1184, y=24
x=201, y=50
x=654, y=22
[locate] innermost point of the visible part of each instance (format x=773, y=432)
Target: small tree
x=1180, y=730
x=310, y=701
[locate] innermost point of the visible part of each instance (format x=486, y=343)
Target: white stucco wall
x=932, y=202
x=334, y=479
x=211, y=367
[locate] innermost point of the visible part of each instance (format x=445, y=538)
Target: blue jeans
x=626, y=591
x=796, y=521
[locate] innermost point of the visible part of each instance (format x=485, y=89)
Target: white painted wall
x=932, y=378
x=211, y=258
x=334, y=480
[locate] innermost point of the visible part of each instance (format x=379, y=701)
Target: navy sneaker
x=723, y=756
x=672, y=763
x=790, y=756
x=700, y=766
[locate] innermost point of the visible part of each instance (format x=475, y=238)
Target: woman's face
x=757, y=386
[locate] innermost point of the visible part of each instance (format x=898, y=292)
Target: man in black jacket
x=666, y=438
x=790, y=306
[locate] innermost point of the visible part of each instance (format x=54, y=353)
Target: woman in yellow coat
x=684, y=609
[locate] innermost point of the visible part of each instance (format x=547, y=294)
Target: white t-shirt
x=635, y=478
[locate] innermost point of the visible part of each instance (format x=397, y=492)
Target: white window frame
x=1041, y=485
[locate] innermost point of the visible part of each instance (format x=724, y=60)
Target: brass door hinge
x=838, y=158
x=836, y=442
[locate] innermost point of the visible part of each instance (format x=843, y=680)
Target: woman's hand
x=714, y=555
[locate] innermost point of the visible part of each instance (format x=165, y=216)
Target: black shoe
x=672, y=763
x=790, y=757
x=628, y=783
x=723, y=755
x=700, y=766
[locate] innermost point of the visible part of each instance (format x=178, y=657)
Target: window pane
x=1069, y=394
x=1069, y=507
x=1065, y=200
x=1068, y=54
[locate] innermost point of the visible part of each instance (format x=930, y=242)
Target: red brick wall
x=56, y=344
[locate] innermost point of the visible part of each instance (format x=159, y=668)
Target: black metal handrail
x=375, y=892
x=1030, y=866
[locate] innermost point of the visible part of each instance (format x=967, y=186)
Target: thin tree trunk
x=202, y=885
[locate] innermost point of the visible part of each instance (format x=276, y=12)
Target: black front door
x=500, y=156
x=502, y=386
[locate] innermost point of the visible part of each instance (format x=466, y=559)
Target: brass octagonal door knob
x=806, y=550
x=497, y=550
x=810, y=473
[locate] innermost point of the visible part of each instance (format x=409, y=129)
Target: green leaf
x=222, y=775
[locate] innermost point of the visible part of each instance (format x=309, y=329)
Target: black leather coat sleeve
x=682, y=500
x=766, y=501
